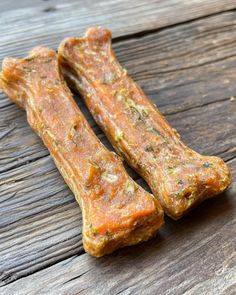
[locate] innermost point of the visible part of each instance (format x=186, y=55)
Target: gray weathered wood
x=188, y=70
x=33, y=189
x=198, y=71
x=25, y=25
x=40, y=220
x=193, y=256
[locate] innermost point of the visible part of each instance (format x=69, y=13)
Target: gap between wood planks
x=154, y=14
x=144, y=33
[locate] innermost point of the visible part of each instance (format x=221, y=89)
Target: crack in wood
x=75, y=278
x=8, y=131
x=198, y=65
x=144, y=33
x=195, y=107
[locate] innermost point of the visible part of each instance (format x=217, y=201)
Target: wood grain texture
x=186, y=83
x=188, y=70
x=46, y=23
x=40, y=220
x=32, y=193
x=193, y=256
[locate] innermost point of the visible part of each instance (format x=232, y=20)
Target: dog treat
x=179, y=177
x=116, y=211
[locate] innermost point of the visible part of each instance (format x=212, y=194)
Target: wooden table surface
x=183, y=54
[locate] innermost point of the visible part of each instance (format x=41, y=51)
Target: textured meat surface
x=179, y=177
x=116, y=211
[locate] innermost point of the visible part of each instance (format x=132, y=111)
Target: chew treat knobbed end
x=98, y=35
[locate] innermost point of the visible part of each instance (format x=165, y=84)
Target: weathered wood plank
x=197, y=71
x=195, y=255
x=7, y=5
x=209, y=129
x=200, y=127
x=186, y=65
x=26, y=25
x=41, y=223
x=40, y=220
x=33, y=192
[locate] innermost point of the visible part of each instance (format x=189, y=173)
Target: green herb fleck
x=27, y=69
x=189, y=202
x=130, y=188
x=180, y=182
x=149, y=149
x=153, y=130
x=93, y=229
x=109, y=177
x=121, y=94
x=207, y=165
x=171, y=168
x=119, y=97
x=119, y=135
x=142, y=111
x=109, y=78
x=30, y=58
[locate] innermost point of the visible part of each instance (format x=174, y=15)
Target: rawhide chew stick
x=179, y=177
x=116, y=211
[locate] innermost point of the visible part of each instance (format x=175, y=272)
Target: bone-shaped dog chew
x=179, y=177
x=116, y=211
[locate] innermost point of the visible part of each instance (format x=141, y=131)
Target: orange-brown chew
x=116, y=211
x=179, y=177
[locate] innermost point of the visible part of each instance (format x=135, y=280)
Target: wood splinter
x=179, y=177
x=116, y=211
